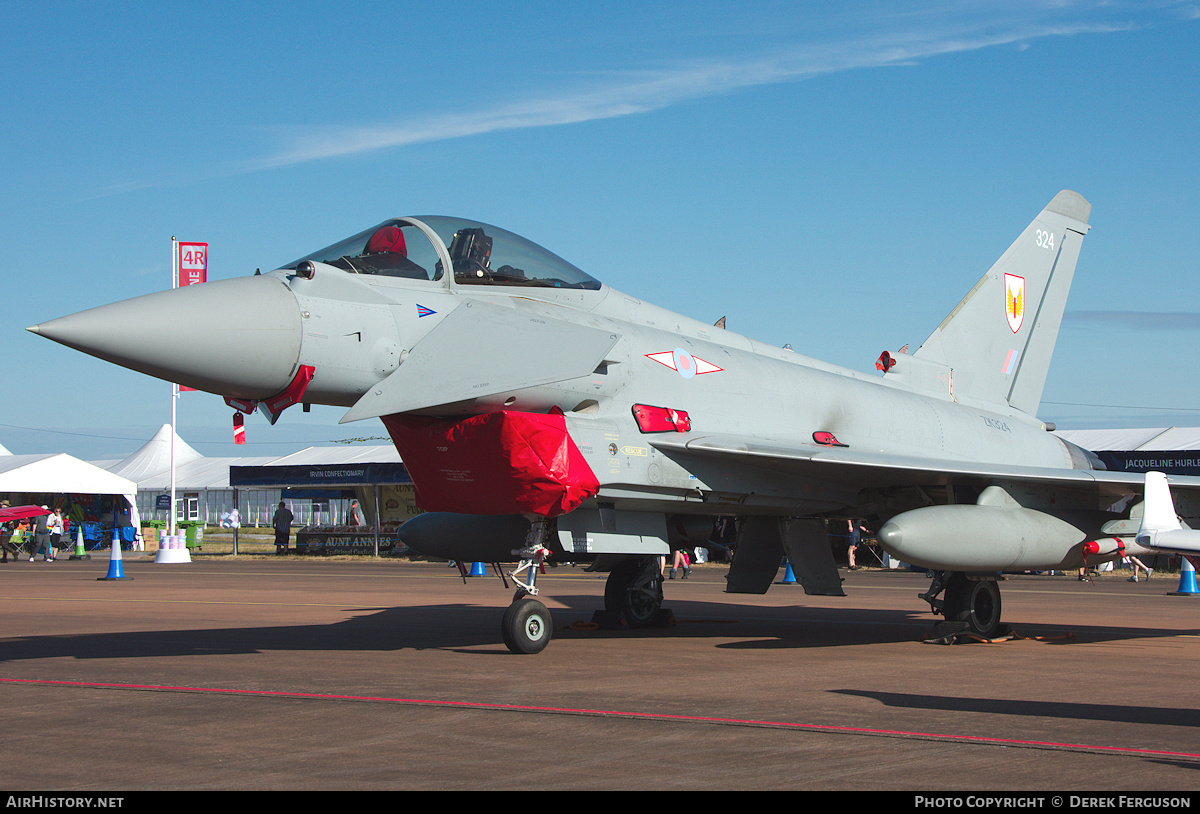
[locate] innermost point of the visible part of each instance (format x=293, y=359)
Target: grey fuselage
x=760, y=389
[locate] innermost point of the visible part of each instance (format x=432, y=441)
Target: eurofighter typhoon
x=543, y=415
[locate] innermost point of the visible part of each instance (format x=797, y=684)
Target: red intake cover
x=498, y=463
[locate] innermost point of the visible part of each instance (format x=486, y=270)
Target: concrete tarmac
x=293, y=673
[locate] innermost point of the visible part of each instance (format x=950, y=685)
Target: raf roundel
x=683, y=362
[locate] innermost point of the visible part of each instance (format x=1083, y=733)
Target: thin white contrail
x=626, y=94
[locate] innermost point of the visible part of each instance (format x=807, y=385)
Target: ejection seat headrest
x=387, y=239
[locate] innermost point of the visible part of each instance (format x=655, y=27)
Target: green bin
x=193, y=534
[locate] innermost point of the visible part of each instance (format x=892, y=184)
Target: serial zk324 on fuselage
x=543, y=414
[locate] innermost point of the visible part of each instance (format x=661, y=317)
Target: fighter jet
x=545, y=416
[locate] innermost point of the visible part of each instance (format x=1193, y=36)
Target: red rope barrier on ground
x=646, y=716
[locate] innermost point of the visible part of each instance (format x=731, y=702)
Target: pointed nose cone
x=238, y=337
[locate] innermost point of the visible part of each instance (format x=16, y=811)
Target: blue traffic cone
x=789, y=578
x=477, y=570
x=115, y=564
x=1187, y=580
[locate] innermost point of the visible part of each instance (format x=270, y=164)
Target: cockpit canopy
x=481, y=255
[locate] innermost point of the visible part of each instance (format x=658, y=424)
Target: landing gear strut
x=974, y=600
x=527, y=625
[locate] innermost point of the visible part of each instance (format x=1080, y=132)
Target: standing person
x=282, y=523
x=41, y=537
x=6, y=535
x=855, y=538
x=6, y=543
x=355, y=518
x=55, y=521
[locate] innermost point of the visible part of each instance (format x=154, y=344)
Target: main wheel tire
x=526, y=626
x=974, y=601
x=634, y=590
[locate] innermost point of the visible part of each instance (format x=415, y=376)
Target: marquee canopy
x=60, y=474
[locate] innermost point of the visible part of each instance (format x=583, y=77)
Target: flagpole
x=174, y=397
x=193, y=259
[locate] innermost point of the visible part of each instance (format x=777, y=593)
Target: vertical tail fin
x=998, y=341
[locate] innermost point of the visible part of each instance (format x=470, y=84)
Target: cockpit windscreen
x=481, y=254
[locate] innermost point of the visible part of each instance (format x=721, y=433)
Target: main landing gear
x=973, y=599
x=634, y=592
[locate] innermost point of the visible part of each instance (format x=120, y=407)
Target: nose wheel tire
x=526, y=626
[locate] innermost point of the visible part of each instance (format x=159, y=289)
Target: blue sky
x=831, y=175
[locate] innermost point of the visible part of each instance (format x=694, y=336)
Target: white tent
x=202, y=484
x=60, y=474
x=155, y=457
x=1159, y=439
x=203, y=492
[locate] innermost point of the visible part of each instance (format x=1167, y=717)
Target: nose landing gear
x=527, y=625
